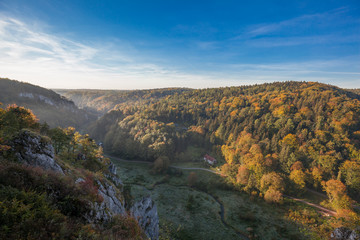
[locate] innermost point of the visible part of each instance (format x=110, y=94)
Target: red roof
x=209, y=158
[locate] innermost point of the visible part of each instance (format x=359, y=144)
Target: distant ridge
x=47, y=105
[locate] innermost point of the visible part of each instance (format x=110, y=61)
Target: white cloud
x=295, y=31
x=30, y=54
x=306, y=40
x=297, y=23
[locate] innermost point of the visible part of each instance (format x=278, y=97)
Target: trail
x=320, y=208
x=357, y=207
x=203, y=169
x=124, y=160
x=222, y=209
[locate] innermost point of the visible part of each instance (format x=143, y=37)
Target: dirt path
x=129, y=161
x=323, y=195
x=203, y=169
x=320, y=208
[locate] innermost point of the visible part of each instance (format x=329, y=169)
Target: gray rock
x=145, y=211
x=113, y=176
x=354, y=235
x=110, y=206
x=35, y=150
x=112, y=169
x=343, y=233
x=79, y=180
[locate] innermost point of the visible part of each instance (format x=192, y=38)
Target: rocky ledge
x=343, y=233
x=35, y=150
x=145, y=212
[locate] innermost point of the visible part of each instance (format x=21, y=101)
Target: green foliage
x=29, y=215
x=123, y=228
x=15, y=118
x=69, y=198
x=191, y=204
x=39, y=204
x=161, y=164
x=263, y=128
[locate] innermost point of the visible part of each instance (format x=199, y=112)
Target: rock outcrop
x=35, y=150
x=343, y=233
x=145, y=211
x=113, y=176
x=110, y=206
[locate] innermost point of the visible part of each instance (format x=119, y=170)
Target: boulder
x=343, y=233
x=35, y=150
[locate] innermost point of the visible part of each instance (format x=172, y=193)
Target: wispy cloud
x=32, y=55
x=297, y=23
x=29, y=53
x=310, y=29
x=301, y=40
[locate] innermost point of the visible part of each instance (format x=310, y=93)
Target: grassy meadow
x=195, y=212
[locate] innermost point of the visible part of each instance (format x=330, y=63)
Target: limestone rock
x=110, y=206
x=35, y=150
x=343, y=233
x=113, y=176
x=145, y=211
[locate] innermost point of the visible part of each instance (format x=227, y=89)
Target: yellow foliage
x=290, y=140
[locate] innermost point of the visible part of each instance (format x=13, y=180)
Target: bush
x=28, y=215
x=122, y=227
x=273, y=196
x=69, y=198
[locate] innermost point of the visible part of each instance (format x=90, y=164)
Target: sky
x=169, y=43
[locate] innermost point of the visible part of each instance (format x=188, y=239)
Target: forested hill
x=47, y=105
x=355, y=90
x=303, y=133
x=102, y=101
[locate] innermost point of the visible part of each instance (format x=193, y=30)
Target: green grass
x=266, y=221
x=198, y=218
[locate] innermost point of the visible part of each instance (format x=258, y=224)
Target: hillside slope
x=102, y=101
x=302, y=134
x=47, y=105
x=56, y=184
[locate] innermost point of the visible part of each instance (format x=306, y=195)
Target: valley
x=250, y=218
x=179, y=120
x=287, y=156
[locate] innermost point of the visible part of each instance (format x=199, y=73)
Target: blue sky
x=152, y=44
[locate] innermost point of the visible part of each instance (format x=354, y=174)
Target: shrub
x=123, y=228
x=273, y=196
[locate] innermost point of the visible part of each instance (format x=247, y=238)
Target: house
x=210, y=160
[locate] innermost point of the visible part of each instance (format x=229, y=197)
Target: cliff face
x=35, y=150
x=145, y=212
